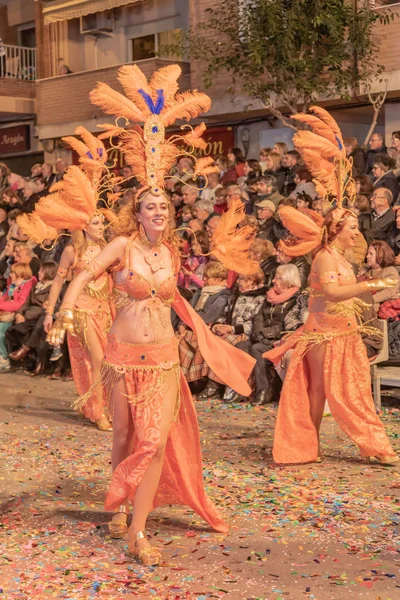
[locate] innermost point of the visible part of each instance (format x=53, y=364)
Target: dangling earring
x=142, y=232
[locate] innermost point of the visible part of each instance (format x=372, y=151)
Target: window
x=147, y=46
x=27, y=37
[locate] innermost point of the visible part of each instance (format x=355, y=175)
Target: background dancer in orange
x=329, y=359
x=156, y=455
x=73, y=206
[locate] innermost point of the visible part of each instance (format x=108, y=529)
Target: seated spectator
x=393, y=236
x=303, y=200
x=269, y=227
x=185, y=216
x=235, y=192
x=212, y=224
x=275, y=169
x=317, y=206
x=299, y=261
x=280, y=148
x=5, y=173
x=10, y=200
x=234, y=325
x=263, y=251
x=396, y=148
x=264, y=152
x=364, y=186
x=356, y=153
x=380, y=264
x=267, y=329
x=236, y=165
x=12, y=223
x=23, y=255
x=268, y=190
x=195, y=225
x=48, y=175
x=14, y=296
x=3, y=229
x=384, y=177
x=382, y=217
x=213, y=185
x=60, y=169
x=222, y=163
x=6, y=260
x=26, y=333
x=220, y=205
x=290, y=162
x=190, y=194
x=304, y=188
x=192, y=269
x=202, y=209
x=376, y=146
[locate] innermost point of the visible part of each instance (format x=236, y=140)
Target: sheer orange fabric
x=142, y=367
x=346, y=378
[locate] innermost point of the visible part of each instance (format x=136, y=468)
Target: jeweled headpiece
x=156, y=104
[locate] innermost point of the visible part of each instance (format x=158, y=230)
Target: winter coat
x=269, y=322
x=380, y=226
x=241, y=309
x=370, y=158
x=214, y=305
x=358, y=157
x=18, y=297
x=33, y=306
x=272, y=230
x=388, y=181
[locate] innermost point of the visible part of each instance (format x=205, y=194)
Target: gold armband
x=50, y=310
x=379, y=284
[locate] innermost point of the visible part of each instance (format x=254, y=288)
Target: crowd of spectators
x=250, y=312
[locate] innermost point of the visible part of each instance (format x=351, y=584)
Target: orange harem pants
x=144, y=371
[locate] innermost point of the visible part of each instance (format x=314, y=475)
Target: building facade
x=52, y=53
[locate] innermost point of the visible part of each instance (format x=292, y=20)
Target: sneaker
x=4, y=364
x=229, y=393
x=56, y=354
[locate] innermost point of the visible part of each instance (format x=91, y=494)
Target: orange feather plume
x=167, y=79
x=231, y=244
x=312, y=141
x=326, y=118
x=317, y=126
x=55, y=211
x=203, y=166
x=187, y=105
x=133, y=79
x=32, y=226
x=307, y=231
x=193, y=138
x=115, y=103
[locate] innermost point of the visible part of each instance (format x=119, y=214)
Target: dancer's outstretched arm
x=110, y=255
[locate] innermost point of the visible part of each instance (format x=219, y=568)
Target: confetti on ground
x=322, y=531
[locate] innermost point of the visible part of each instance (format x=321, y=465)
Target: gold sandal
x=104, y=424
x=385, y=460
x=118, y=529
x=149, y=557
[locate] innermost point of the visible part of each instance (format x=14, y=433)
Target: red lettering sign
x=15, y=139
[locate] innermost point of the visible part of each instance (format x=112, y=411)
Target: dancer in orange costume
x=329, y=359
x=156, y=455
x=73, y=206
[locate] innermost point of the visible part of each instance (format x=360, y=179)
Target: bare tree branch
x=377, y=103
x=280, y=116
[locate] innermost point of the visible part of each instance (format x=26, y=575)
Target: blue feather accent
x=89, y=155
x=339, y=143
x=157, y=108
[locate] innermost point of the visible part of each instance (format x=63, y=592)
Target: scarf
x=206, y=292
x=274, y=298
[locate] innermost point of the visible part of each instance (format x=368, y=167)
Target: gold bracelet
x=50, y=311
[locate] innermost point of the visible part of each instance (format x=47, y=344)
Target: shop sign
x=14, y=140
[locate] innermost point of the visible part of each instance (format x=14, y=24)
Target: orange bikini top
x=138, y=287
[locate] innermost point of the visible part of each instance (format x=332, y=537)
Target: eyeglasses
x=375, y=167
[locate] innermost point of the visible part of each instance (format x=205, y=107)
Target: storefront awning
x=63, y=10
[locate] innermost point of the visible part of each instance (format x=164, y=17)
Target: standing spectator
x=290, y=162
x=202, y=209
x=275, y=169
x=267, y=189
x=364, y=186
x=221, y=205
x=10, y=200
x=4, y=177
x=383, y=174
x=264, y=152
x=184, y=168
x=48, y=175
x=376, y=146
x=396, y=147
x=3, y=229
x=356, y=153
x=6, y=261
x=383, y=215
x=190, y=194
x=270, y=228
x=60, y=167
x=236, y=165
x=280, y=148
x=36, y=172
x=235, y=192
x=208, y=193
x=251, y=169
x=40, y=191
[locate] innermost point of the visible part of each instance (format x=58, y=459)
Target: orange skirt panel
x=143, y=367
x=347, y=384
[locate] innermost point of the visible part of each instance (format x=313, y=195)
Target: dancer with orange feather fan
x=73, y=206
x=329, y=360
x=156, y=457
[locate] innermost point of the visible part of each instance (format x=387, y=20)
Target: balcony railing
x=17, y=62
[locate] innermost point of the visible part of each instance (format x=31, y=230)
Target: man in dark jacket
x=270, y=228
x=383, y=215
x=376, y=146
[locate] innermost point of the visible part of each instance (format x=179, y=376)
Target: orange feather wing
x=114, y=103
x=187, y=105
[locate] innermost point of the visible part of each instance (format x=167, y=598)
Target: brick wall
x=17, y=88
x=65, y=99
x=388, y=39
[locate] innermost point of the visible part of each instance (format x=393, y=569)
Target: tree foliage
x=288, y=53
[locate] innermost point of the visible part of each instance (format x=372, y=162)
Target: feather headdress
x=147, y=108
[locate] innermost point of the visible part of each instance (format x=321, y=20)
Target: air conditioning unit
x=97, y=24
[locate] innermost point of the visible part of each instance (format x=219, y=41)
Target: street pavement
x=326, y=531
